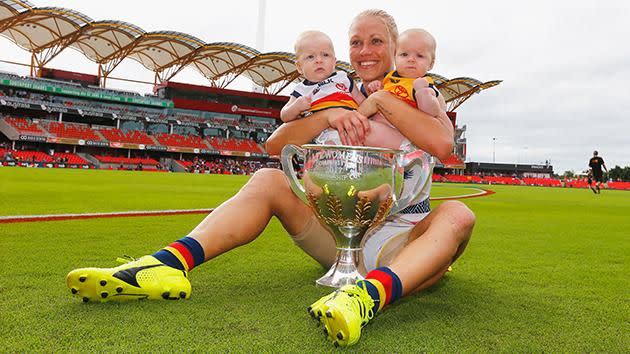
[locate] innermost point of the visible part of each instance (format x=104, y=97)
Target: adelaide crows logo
x=400, y=91
x=341, y=87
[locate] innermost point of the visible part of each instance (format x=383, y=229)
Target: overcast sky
x=565, y=65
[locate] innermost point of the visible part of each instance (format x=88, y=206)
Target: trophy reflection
x=351, y=190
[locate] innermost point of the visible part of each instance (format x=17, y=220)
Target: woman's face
x=371, y=49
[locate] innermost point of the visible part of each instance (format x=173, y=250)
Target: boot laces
x=125, y=259
x=360, y=302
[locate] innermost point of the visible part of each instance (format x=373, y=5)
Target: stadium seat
x=191, y=141
x=232, y=144
x=130, y=136
x=25, y=126
x=71, y=130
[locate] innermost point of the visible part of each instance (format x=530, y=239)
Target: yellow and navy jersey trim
x=402, y=87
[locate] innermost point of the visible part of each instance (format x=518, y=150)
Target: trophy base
x=344, y=271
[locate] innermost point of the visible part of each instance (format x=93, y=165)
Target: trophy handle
x=286, y=159
x=411, y=160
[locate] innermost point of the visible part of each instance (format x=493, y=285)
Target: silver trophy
x=351, y=190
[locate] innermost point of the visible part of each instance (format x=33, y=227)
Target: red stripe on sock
x=185, y=253
x=384, y=279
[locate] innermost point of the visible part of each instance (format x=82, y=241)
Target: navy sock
x=373, y=292
x=185, y=254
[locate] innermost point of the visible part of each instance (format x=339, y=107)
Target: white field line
x=51, y=217
x=479, y=193
x=137, y=213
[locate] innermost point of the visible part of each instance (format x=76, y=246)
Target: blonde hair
x=428, y=37
x=297, y=47
x=387, y=20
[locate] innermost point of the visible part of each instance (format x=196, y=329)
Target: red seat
x=72, y=130
x=24, y=126
x=191, y=141
x=232, y=144
x=130, y=136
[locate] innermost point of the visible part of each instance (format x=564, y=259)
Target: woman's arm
x=296, y=132
x=431, y=134
x=351, y=125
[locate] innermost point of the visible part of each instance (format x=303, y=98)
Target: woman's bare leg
x=435, y=243
x=242, y=218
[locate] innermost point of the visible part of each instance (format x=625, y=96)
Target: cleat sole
x=100, y=285
x=337, y=326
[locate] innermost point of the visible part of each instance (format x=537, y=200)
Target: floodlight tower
x=260, y=35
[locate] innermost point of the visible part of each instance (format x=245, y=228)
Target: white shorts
x=379, y=247
x=383, y=245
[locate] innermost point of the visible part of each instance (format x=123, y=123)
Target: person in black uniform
x=589, y=180
x=596, y=163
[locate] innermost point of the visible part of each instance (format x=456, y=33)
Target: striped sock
x=383, y=286
x=185, y=254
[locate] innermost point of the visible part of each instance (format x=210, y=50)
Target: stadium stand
x=130, y=136
x=69, y=158
x=38, y=157
x=233, y=144
x=502, y=180
x=619, y=185
x=191, y=141
x=576, y=183
x=220, y=166
x=462, y=178
x=117, y=160
x=70, y=130
x=543, y=182
x=32, y=156
x=24, y=126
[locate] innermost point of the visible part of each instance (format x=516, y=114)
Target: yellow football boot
x=319, y=308
x=345, y=312
x=137, y=279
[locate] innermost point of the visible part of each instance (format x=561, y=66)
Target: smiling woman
x=422, y=254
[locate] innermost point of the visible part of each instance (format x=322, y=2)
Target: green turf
x=545, y=271
x=50, y=191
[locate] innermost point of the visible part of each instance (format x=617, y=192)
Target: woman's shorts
x=379, y=247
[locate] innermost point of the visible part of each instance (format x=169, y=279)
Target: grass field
x=546, y=271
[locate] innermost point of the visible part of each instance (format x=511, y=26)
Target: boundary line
x=481, y=193
x=120, y=214
x=127, y=214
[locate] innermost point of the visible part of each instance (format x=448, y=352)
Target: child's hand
x=302, y=104
x=420, y=83
x=427, y=102
x=374, y=86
